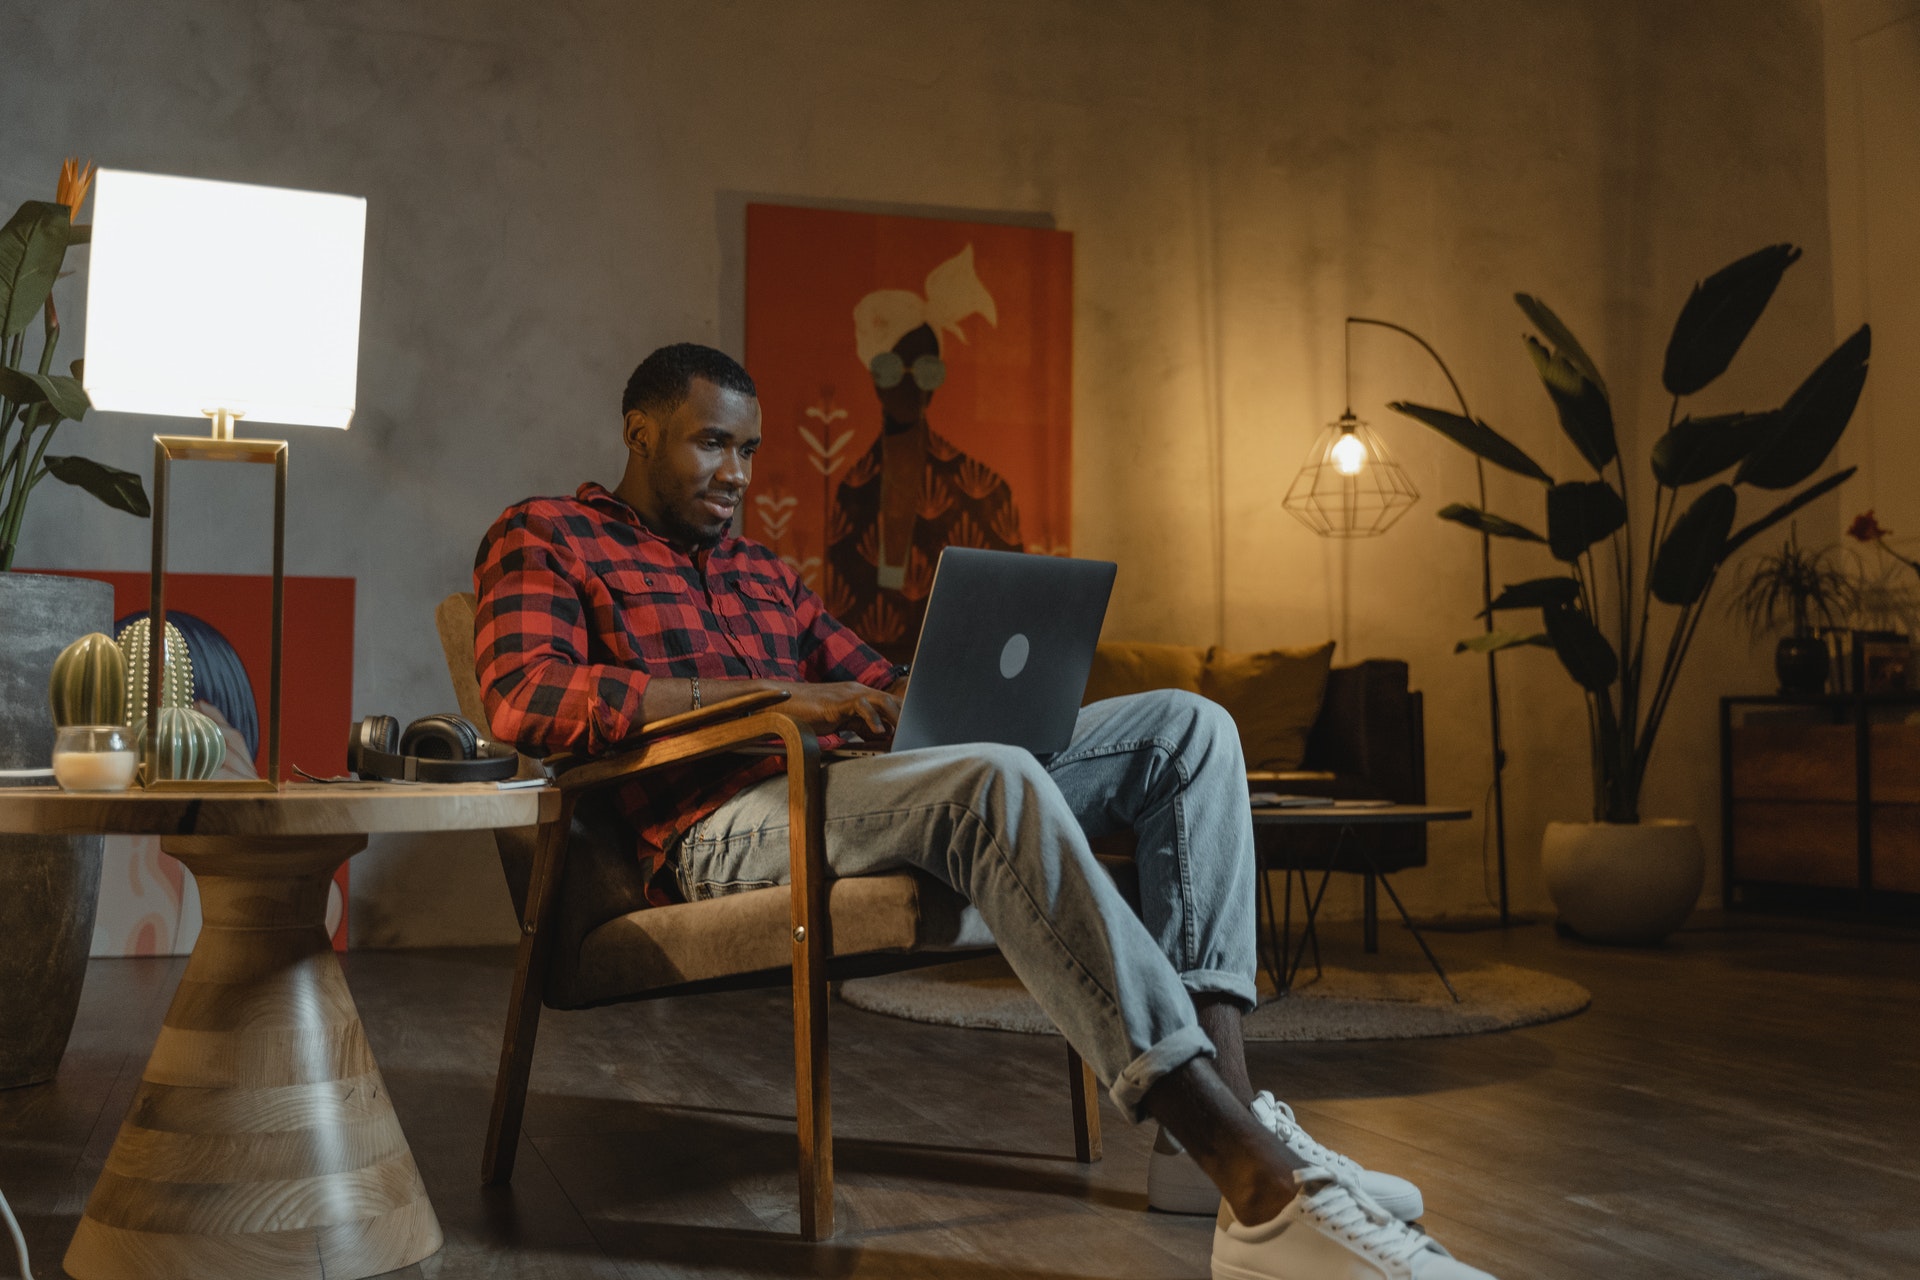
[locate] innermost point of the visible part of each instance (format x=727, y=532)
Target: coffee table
x=261, y=1142
x=1281, y=966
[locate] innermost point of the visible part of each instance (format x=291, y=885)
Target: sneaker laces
x=1348, y=1211
x=1277, y=1116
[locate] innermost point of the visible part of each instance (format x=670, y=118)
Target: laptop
x=1005, y=650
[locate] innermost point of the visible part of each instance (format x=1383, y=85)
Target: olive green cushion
x=1274, y=696
x=1123, y=667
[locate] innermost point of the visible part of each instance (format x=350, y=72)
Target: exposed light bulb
x=1349, y=454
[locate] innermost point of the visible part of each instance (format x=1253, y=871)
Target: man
x=603, y=612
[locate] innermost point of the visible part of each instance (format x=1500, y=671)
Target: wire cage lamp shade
x=1350, y=486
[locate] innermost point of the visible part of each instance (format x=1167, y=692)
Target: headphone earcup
x=375, y=733
x=440, y=737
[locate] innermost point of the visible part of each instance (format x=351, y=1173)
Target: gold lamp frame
x=221, y=446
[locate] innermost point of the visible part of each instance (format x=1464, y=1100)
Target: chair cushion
x=1124, y=667
x=1274, y=696
x=747, y=932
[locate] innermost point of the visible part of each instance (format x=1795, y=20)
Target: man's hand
x=831, y=708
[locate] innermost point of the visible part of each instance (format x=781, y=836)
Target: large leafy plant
x=34, y=401
x=1596, y=608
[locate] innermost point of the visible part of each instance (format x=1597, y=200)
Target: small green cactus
x=176, y=672
x=89, y=684
x=190, y=746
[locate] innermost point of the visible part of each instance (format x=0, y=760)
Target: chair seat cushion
x=741, y=933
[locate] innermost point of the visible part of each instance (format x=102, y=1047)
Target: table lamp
x=224, y=301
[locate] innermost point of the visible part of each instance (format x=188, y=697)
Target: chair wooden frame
x=738, y=722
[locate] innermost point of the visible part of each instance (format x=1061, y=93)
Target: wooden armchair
x=588, y=936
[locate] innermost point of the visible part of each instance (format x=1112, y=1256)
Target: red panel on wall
x=317, y=683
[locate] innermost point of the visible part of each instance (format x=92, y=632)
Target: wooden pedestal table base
x=262, y=1142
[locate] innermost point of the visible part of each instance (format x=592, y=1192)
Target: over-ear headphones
x=442, y=748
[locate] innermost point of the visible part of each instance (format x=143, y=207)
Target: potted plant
x=1807, y=593
x=48, y=884
x=1621, y=877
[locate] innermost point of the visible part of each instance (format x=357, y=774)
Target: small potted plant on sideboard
x=1808, y=594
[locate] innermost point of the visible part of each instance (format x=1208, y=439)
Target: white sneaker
x=1396, y=1195
x=1176, y=1185
x=1332, y=1230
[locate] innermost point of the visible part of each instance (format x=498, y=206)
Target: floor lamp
x=1348, y=449
x=229, y=302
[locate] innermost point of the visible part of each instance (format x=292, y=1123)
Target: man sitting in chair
x=601, y=613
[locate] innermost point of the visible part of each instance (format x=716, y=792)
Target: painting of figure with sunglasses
x=914, y=491
x=916, y=374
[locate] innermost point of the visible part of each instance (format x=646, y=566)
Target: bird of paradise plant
x=1595, y=612
x=35, y=401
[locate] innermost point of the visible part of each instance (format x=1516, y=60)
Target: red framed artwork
x=916, y=380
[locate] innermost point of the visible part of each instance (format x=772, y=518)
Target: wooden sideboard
x=1820, y=802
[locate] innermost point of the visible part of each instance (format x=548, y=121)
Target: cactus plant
x=176, y=673
x=89, y=684
x=189, y=746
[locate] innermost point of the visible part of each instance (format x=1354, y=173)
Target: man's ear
x=639, y=432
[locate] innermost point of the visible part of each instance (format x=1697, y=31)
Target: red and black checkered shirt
x=580, y=605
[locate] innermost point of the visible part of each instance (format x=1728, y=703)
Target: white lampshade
x=218, y=295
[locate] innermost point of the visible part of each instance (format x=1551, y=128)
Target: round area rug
x=1341, y=1004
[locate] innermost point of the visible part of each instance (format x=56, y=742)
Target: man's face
x=696, y=462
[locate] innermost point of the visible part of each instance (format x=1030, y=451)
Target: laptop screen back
x=1005, y=650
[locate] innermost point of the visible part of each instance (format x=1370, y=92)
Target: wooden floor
x=1743, y=1103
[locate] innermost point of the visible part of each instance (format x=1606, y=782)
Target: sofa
x=1307, y=728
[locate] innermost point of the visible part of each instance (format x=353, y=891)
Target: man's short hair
x=660, y=384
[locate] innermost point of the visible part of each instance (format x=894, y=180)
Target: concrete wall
x=555, y=189
x=1873, y=140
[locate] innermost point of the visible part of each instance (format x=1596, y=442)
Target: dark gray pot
x=49, y=885
x=1802, y=663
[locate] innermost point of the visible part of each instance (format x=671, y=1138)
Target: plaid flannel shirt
x=580, y=605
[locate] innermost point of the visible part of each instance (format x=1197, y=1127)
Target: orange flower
x=75, y=178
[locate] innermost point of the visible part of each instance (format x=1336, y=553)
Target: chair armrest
x=807, y=848
x=565, y=763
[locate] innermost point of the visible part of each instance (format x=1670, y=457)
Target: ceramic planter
x=1631, y=883
x=49, y=885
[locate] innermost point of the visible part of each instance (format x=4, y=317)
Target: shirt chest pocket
x=659, y=617
x=766, y=615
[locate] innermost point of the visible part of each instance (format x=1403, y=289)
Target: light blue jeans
x=1010, y=832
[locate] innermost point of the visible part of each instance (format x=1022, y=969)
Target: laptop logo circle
x=1013, y=658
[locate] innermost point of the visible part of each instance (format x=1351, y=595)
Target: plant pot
x=1631, y=883
x=49, y=885
x=1802, y=663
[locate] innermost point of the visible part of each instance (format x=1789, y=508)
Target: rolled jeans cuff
x=1145, y=1071
x=1222, y=982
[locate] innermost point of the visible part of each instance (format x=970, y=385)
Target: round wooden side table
x=262, y=1142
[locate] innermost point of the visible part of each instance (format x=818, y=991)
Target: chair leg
x=812, y=1086
x=510, y=1085
x=1084, y=1090
x=813, y=1104
x=523, y=1006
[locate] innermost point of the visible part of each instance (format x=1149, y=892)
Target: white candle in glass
x=94, y=770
